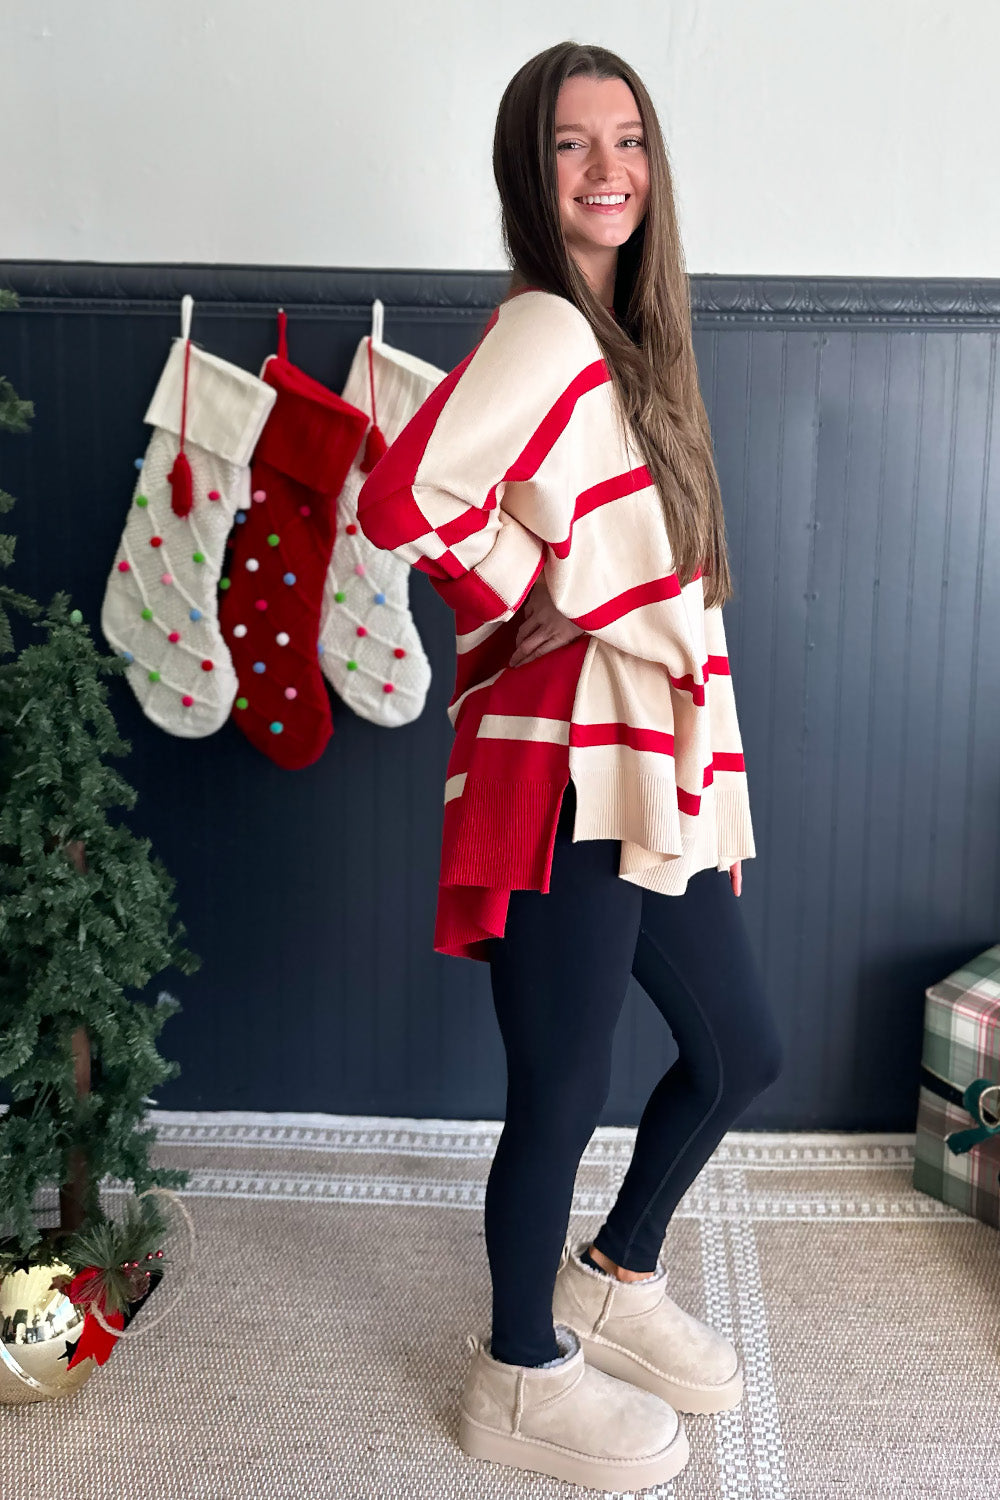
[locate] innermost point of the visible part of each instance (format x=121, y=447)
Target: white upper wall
x=831, y=137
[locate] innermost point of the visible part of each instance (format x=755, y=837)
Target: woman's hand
x=736, y=876
x=543, y=628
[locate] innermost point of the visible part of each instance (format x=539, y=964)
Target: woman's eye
x=566, y=143
x=636, y=140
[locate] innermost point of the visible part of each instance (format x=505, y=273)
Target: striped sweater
x=516, y=464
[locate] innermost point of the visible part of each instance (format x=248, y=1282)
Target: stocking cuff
x=402, y=384
x=314, y=434
x=226, y=406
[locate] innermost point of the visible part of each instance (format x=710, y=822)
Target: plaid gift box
x=957, y=1149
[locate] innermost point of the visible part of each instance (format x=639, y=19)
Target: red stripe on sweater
x=467, y=591
x=388, y=513
x=715, y=666
x=601, y=494
x=635, y=598
x=585, y=735
x=690, y=802
x=555, y=420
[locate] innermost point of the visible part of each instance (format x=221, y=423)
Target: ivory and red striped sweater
x=514, y=464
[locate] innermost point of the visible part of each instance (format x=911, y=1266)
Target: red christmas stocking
x=280, y=553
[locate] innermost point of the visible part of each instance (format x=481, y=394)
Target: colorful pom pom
x=305, y=510
x=399, y=653
x=379, y=598
x=139, y=462
x=258, y=667
x=252, y=565
x=359, y=568
x=289, y=578
x=282, y=638
x=224, y=583
x=352, y=666
x=187, y=700
x=206, y=665
x=273, y=539
x=147, y=613
x=167, y=578
x=198, y=557
x=291, y=693
x=362, y=630
x=141, y=501
x=351, y=530
x=194, y=614
x=123, y=567
x=241, y=517
x=174, y=637
x=276, y=727
x=241, y=703
x=156, y=541
x=239, y=631
x=127, y=656
x=154, y=676
x=388, y=688
x=260, y=496
x=260, y=604
x=340, y=596
x=214, y=495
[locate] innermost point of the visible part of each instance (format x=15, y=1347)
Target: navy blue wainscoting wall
x=860, y=465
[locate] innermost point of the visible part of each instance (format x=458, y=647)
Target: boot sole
x=681, y=1397
x=546, y=1458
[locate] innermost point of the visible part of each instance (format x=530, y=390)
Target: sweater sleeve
x=442, y=497
x=732, y=801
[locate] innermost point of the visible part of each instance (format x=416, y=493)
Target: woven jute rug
x=320, y=1346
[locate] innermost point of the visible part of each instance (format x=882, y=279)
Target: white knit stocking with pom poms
x=371, y=652
x=160, y=604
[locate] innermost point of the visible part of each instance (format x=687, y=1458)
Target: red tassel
x=181, y=486
x=375, y=446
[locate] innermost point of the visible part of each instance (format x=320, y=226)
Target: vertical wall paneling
x=856, y=440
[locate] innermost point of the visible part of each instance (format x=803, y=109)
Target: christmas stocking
x=371, y=652
x=159, y=609
x=280, y=556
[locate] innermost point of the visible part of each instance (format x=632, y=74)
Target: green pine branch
x=87, y=922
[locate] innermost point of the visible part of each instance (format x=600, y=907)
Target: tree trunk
x=73, y=1193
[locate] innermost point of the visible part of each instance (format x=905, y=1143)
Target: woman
x=558, y=489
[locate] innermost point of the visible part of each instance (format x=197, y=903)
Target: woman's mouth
x=604, y=203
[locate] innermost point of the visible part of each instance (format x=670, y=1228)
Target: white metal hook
x=187, y=308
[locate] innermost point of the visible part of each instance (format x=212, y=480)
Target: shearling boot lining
x=581, y=1265
x=568, y=1344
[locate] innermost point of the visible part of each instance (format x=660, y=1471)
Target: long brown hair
x=649, y=351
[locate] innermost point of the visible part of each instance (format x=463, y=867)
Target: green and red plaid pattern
x=959, y=1082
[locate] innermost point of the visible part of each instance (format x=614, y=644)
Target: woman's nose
x=600, y=165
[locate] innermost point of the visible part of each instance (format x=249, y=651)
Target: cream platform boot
x=568, y=1420
x=633, y=1330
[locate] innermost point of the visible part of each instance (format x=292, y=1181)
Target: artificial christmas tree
x=86, y=921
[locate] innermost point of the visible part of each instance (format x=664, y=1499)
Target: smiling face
x=602, y=173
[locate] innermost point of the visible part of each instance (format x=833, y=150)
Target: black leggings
x=559, y=976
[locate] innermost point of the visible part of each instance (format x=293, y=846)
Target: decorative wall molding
x=340, y=294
